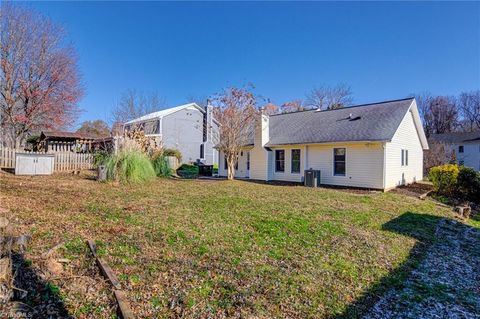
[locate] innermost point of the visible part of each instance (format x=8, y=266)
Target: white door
x=25, y=165
x=44, y=165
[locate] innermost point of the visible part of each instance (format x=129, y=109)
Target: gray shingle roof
x=455, y=137
x=369, y=122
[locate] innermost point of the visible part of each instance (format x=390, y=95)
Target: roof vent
x=350, y=116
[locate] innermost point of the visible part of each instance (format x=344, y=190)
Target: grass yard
x=190, y=248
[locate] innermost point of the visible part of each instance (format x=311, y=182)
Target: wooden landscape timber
x=124, y=309
x=424, y=195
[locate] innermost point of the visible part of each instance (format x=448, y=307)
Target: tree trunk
x=231, y=168
x=231, y=159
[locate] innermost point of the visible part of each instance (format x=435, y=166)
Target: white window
x=295, y=161
x=339, y=161
x=404, y=157
x=279, y=160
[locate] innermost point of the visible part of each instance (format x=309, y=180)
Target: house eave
x=328, y=143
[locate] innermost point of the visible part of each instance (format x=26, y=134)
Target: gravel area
x=446, y=284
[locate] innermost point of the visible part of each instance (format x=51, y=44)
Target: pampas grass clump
x=129, y=167
x=161, y=166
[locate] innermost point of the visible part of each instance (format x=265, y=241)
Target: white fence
x=64, y=161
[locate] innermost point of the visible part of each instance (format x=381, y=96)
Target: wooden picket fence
x=64, y=161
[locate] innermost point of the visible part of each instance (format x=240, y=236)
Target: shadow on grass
x=42, y=298
x=419, y=226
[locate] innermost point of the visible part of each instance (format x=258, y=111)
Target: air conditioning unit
x=312, y=178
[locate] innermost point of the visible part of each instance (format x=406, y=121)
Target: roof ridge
x=347, y=107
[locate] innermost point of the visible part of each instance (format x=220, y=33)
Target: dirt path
x=445, y=285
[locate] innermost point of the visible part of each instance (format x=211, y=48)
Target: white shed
x=34, y=164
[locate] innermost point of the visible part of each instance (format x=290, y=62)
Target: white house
x=464, y=145
x=189, y=128
x=378, y=145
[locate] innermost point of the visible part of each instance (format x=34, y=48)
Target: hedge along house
x=378, y=146
x=188, y=128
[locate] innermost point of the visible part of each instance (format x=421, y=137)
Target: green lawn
x=201, y=248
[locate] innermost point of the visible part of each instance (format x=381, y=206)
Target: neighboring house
x=189, y=128
x=378, y=145
x=464, y=145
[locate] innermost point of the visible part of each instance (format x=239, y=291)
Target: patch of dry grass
x=217, y=249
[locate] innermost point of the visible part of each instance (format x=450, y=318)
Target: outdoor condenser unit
x=312, y=178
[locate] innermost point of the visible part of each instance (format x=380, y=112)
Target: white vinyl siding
x=287, y=175
x=470, y=155
x=241, y=171
x=405, y=139
x=363, y=164
x=261, y=160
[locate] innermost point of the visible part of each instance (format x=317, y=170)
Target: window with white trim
x=339, y=161
x=295, y=161
x=279, y=160
x=404, y=160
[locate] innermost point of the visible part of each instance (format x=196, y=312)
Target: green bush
x=188, y=171
x=444, y=178
x=100, y=158
x=129, y=167
x=173, y=152
x=468, y=183
x=161, y=166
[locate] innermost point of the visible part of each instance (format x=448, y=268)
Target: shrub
x=188, y=171
x=129, y=167
x=173, y=152
x=444, y=178
x=468, y=183
x=100, y=158
x=161, y=165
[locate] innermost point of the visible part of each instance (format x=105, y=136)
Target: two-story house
x=189, y=128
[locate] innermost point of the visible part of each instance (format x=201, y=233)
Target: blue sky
x=383, y=50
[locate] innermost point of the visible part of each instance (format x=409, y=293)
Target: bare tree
x=329, y=98
x=292, y=106
x=39, y=80
x=134, y=104
x=96, y=128
x=442, y=116
x=270, y=109
x=469, y=107
x=439, y=113
x=438, y=154
x=423, y=104
x=235, y=110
